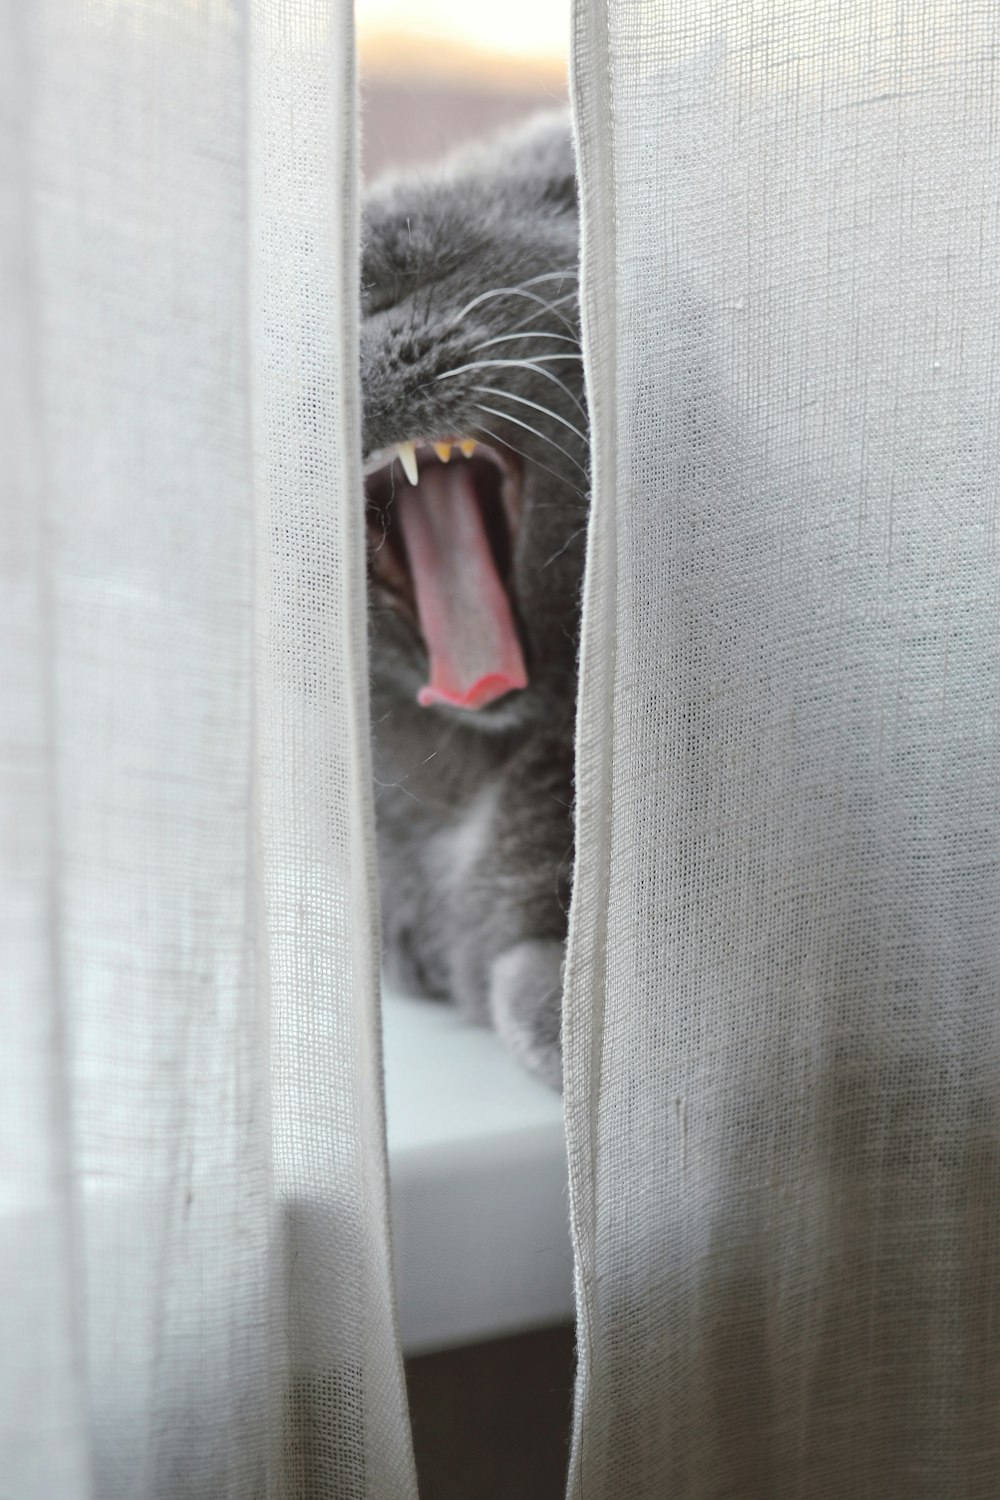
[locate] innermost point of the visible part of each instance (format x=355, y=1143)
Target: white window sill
x=477, y=1160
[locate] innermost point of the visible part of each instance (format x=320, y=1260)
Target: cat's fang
x=467, y=447
x=407, y=454
x=443, y=451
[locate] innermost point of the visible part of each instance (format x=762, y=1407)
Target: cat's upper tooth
x=407, y=453
x=443, y=451
x=467, y=447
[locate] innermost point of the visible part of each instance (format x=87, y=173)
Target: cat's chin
x=402, y=684
x=502, y=716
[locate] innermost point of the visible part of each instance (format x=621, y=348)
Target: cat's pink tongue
x=465, y=614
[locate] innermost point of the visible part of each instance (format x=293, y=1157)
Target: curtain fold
x=193, y=1227
x=781, y=1027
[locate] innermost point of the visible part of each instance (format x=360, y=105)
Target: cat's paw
x=525, y=997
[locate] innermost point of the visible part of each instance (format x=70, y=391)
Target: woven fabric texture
x=193, y=1243
x=782, y=1020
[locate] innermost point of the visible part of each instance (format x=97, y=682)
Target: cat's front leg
x=533, y=853
x=506, y=895
x=525, y=1001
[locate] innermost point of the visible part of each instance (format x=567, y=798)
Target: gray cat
x=475, y=436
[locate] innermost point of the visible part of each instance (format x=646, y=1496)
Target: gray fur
x=474, y=809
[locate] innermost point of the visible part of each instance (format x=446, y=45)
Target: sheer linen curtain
x=193, y=1246
x=782, y=1026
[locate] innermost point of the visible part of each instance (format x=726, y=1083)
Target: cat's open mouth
x=442, y=523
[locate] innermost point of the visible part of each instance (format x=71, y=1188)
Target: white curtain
x=193, y=1246
x=783, y=1020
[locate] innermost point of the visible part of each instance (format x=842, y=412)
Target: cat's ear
x=559, y=191
x=558, y=175
x=547, y=159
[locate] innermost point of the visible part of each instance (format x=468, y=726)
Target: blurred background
x=437, y=72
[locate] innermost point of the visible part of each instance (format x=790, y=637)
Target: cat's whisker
x=506, y=417
x=530, y=363
x=570, y=270
x=528, y=458
x=560, y=275
x=397, y=786
x=514, y=291
x=560, y=550
x=518, y=364
x=552, y=306
x=533, y=363
x=546, y=411
x=515, y=338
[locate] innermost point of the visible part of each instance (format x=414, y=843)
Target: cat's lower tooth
x=467, y=447
x=408, y=458
x=443, y=451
